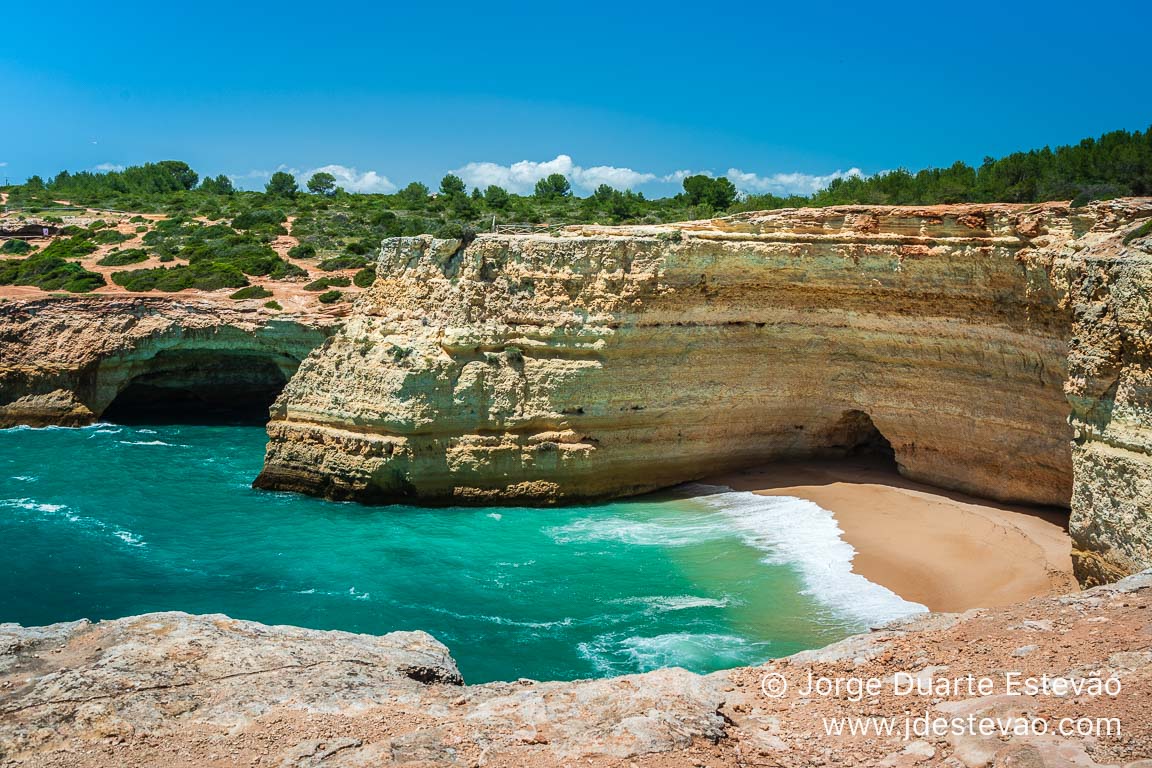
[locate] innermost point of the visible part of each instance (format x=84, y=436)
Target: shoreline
x=943, y=549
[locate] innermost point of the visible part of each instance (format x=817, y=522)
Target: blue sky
x=778, y=96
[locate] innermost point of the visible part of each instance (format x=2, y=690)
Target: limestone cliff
x=609, y=361
x=65, y=361
x=1110, y=391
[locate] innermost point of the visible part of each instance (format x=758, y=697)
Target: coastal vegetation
x=210, y=235
x=206, y=256
x=252, y=292
x=50, y=272
x=16, y=247
x=124, y=257
x=332, y=221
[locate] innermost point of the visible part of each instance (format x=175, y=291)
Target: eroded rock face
x=179, y=691
x=611, y=361
x=1110, y=391
x=65, y=361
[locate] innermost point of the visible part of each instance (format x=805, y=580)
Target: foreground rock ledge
x=175, y=690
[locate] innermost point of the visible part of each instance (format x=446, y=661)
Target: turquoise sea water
x=111, y=521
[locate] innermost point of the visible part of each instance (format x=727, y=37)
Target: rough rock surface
x=63, y=361
x=1110, y=390
x=611, y=361
x=175, y=690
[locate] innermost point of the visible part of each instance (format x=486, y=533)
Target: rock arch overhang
x=70, y=361
x=201, y=386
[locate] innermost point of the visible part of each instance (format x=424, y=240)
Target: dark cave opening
x=200, y=388
x=856, y=436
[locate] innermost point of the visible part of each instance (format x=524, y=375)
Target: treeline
x=1116, y=164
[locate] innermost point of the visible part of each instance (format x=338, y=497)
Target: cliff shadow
x=854, y=452
x=855, y=436
x=194, y=387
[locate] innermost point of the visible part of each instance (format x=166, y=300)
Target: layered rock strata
x=64, y=361
x=608, y=361
x=175, y=690
x=1109, y=388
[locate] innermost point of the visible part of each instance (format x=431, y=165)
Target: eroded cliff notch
x=201, y=387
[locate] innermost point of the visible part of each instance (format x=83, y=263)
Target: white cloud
x=786, y=183
x=237, y=178
x=521, y=177
x=679, y=176
x=351, y=179
x=106, y=167
x=3, y=165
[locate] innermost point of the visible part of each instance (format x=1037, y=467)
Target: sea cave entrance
x=201, y=387
x=856, y=436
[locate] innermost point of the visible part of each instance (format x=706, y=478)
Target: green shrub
x=324, y=283
x=273, y=305
x=302, y=251
x=365, y=277
x=73, y=248
x=261, y=218
x=330, y=297
x=348, y=261
x=50, y=273
x=1140, y=231
x=123, y=258
x=453, y=230
x=219, y=243
x=251, y=292
x=358, y=248
x=108, y=236
x=16, y=247
x=204, y=276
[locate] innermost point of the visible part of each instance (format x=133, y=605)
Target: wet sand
x=946, y=550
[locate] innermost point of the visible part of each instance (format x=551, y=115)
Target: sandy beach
x=946, y=550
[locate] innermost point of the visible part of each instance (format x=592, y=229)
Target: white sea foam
x=129, y=538
x=661, y=603
x=150, y=442
x=805, y=536
x=495, y=515
x=25, y=478
x=53, y=427
x=32, y=505
x=789, y=531
x=613, y=654
x=88, y=524
x=674, y=531
x=503, y=621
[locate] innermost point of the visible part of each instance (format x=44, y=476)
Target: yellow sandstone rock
x=609, y=361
